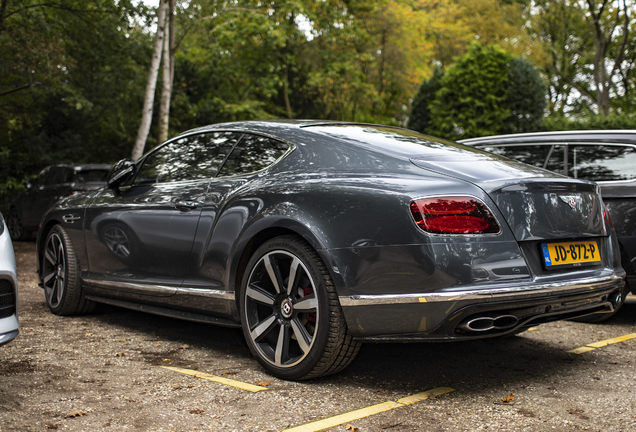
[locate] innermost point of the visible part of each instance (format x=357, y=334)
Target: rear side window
x=602, y=162
x=253, y=153
x=195, y=157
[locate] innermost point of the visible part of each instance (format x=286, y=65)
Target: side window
x=54, y=176
x=556, y=161
x=253, y=153
x=603, y=162
x=193, y=157
x=43, y=177
x=67, y=175
x=530, y=154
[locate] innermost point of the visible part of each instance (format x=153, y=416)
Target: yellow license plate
x=570, y=253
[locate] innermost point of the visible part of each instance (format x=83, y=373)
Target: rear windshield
x=92, y=175
x=404, y=142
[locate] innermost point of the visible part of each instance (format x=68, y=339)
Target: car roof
x=627, y=136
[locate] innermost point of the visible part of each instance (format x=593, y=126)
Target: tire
x=14, y=224
x=297, y=330
x=60, y=275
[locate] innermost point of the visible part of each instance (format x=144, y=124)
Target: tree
x=88, y=57
x=472, y=98
x=149, y=98
x=485, y=92
x=420, y=117
x=591, y=53
x=526, y=98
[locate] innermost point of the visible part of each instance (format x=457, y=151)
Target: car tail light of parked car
x=453, y=215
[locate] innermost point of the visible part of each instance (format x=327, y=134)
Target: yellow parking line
x=368, y=411
x=218, y=379
x=600, y=344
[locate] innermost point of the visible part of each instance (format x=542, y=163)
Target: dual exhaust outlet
x=486, y=323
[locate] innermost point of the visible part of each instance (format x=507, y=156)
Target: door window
x=195, y=157
x=604, y=162
x=253, y=153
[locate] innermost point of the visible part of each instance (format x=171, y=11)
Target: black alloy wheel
x=60, y=276
x=292, y=320
x=14, y=224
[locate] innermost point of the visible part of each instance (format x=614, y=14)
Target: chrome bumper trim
x=486, y=293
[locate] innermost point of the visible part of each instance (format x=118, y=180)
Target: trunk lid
x=537, y=204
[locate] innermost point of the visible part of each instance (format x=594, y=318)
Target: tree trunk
x=166, y=87
x=149, y=98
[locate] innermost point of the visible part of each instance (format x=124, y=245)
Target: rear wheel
x=14, y=224
x=60, y=275
x=291, y=316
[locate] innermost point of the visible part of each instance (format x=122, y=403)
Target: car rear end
x=491, y=247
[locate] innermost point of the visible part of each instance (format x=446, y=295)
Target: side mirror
x=120, y=172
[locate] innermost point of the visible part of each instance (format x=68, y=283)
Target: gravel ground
x=102, y=372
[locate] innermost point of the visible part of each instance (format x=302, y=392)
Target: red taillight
x=453, y=215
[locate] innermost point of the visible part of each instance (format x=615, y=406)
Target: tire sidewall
x=291, y=245
x=60, y=308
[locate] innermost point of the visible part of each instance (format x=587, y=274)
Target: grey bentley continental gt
x=314, y=237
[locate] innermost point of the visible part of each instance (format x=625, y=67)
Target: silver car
x=9, y=325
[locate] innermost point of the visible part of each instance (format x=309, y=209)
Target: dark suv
x=606, y=157
x=53, y=183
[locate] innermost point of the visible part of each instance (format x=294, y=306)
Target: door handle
x=186, y=205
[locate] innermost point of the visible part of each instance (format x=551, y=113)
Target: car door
x=139, y=237
x=225, y=214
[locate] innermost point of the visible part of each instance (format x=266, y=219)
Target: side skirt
x=188, y=316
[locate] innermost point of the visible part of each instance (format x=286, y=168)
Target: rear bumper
x=443, y=316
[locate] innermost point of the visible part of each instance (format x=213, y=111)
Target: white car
x=9, y=325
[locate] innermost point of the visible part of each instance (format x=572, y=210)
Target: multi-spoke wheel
x=290, y=312
x=60, y=276
x=14, y=224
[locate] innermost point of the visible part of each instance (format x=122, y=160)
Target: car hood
x=537, y=204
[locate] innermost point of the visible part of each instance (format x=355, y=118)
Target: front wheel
x=291, y=316
x=60, y=275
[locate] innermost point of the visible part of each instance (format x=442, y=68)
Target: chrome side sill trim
x=159, y=290
x=515, y=292
x=140, y=288
x=203, y=292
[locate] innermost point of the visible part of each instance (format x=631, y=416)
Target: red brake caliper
x=311, y=317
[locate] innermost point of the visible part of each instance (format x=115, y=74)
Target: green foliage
x=89, y=57
x=420, y=117
x=526, y=98
x=472, y=99
x=487, y=91
x=611, y=122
